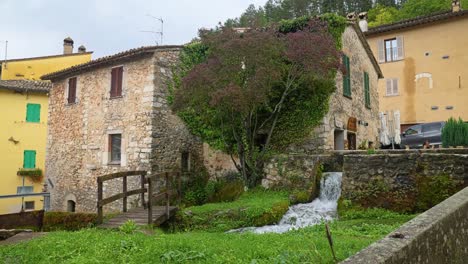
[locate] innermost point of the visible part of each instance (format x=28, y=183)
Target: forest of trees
x=380, y=11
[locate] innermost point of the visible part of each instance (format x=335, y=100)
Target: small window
x=30, y=205
x=71, y=206
x=33, y=113
x=115, y=148
x=24, y=189
x=431, y=127
x=392, y=87
x=116, y=82
x=367, y=90
x=72, y=90
x=391, y=50
x=29, y=159
x=185, y=162
x=346, y=77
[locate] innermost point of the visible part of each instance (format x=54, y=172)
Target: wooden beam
x=102, y=202
x=120, y=175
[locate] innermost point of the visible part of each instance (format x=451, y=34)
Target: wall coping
x=392, y=248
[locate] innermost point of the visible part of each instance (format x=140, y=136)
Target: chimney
x=456, y=6
x=81, y=49
x=351, y=16
x=68, y=46
x=363, y=22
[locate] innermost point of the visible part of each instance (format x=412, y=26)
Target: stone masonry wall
x=439, y=235
x=341, y=108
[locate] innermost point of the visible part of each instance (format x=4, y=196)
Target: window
x=346, y=77
x=116, y=82
x=392, y=87
x=431, y=127
x=24, y=189
x=115, y=148
x=29, y=159
x=414, y=130
x=71, y=206
x=185, y=162
x=72, y=90
x=33, y=113
x=366, y=90
x=29, y=205
x=391, y=49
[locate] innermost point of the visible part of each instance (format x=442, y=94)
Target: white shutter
x=395, y=86
x=400, y=46
x=389, y=87
x=381, y=50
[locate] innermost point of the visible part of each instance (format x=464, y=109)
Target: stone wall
x=342, y=108
x=439, y=235
x=153, y=138
x=403, y=182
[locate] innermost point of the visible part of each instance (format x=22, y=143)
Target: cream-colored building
x=424, y=61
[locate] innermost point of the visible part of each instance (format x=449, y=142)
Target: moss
x=298, y=197
x=272, y=216
x=433, y=190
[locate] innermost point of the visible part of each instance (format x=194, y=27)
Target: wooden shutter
x=366, y=90
x=395, y=86
x=346, y=77
x=33, y=113
x=389, y=87
x=72, y=90
x=29, y=159
x=381, y=50
x=400, y=47
x=116, y=82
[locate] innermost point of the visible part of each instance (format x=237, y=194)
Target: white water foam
x=298, y=216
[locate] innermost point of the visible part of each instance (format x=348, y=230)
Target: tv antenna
x=6, y=52
x=156, y=33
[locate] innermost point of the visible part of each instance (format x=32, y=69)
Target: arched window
x=71, y=206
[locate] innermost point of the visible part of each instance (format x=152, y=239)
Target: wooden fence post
x=142, y=196
x=100, y=212
x=124, y=190
x=150, y=200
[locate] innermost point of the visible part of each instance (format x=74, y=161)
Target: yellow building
x=23, y=119
x=23, y=106
x=424, y=63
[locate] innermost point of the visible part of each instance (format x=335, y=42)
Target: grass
x=355, y=230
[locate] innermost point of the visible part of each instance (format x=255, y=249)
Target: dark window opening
x=29, y=205
x=391, y=50
x=115, y=148
x=116, y=82
x=71, y=206
x=185, y=162
x=72, y=90
x=346, y=77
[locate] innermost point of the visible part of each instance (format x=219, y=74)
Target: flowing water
x=298, y=216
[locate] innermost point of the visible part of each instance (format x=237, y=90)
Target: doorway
x=339, y=139
x=351, y=141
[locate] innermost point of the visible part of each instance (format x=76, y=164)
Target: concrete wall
x=342, y=108
x=437, y=236
x=424, y=49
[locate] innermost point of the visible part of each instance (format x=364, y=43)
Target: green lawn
x=207, y=243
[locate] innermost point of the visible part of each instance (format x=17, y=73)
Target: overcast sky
x=38, y=27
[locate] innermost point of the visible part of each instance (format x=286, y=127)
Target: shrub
x=63, y=221
x=129, y=227
x=455, y=133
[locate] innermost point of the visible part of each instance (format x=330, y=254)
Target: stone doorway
x=351, y=141
x=339, y=139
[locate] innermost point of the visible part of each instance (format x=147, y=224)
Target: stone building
x=353, y=117
x=112, y=115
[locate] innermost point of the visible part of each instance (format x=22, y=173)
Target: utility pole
x=160, y=33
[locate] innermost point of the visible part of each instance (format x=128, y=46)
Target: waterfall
x=324, y=208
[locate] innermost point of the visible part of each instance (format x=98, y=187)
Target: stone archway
x=69, y=203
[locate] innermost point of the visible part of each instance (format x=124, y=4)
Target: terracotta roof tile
x=26, y=86
x=104, y=61
x=416, y=21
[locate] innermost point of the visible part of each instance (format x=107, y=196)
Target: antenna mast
x=161, y=32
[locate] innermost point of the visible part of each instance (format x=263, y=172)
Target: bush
x=63, y=221
x=129, y=227
x=455, y=133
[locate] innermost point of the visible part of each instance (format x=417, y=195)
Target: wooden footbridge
x=148, y=213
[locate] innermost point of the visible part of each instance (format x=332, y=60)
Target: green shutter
x=33, y=113
x=347, y=77
x=29, y=159
x=366, y=89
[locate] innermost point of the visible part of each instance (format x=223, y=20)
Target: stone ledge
x=439, y=235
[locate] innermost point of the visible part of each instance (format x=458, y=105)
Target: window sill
x=31, y=122
x=348, y=96
x=114, y=163
x=395, y=95
x=386, y=62
x=115, y=97
x=71, y=104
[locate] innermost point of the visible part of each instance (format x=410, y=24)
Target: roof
x=422, y=20
x=26, y=86
x=48, y=57
x=106, y=61
x=367, y=48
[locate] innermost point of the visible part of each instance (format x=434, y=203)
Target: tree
x=381, y=15
x=252, y=83
x=414, y=8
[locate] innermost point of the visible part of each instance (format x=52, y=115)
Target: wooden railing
x=125, y=193
x=166, y=194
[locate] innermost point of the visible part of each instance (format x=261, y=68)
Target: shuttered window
x=391, y=49
x=72, y=90
x=346, y=77
x=367, y=90
x=33, y=113
x=116, y=82
x=115, y=148
x=392, y=87
x=29, y=159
